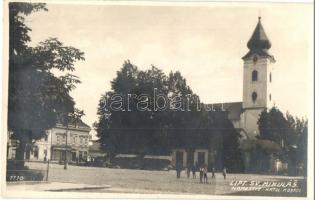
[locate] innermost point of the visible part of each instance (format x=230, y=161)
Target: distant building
x=76, y=143
x=73, y=139
x=257, y=96
x=95, y=152
x=11, y=146
x=96, y=156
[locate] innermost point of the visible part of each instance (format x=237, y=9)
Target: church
x=257, y=96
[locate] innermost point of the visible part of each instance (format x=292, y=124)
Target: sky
x=205, y=43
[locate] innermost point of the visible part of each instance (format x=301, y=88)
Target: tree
x=129, y=131
x=37, y=97
x=18, y=31
x=232, y=157
x=273, y=126
x=289, y=132
x=151, y=131
x=302, y=149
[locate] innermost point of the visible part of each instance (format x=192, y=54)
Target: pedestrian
x=188, y=171
x=205, y=177
x=213, y=172
x=193, y=169
x=178, y=170
x=224, y=172
x=200, y=173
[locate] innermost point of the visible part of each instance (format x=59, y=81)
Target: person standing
x=224, y=172
x=213, y=172
x=188, y=171
x=178, y=170
x=200, y=173
x=205, y=171
x=193, y=169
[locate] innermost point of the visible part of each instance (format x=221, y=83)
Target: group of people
x=203, y=172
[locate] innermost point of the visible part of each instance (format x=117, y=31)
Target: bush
x=16, y=171
x=141, y=163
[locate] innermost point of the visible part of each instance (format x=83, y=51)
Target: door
x=201, y=158
x=73, y=156
x=190, y=158
x=179, y=158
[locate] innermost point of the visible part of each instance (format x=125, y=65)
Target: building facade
x=257, y=96
x=61, y=142
x=71, y=143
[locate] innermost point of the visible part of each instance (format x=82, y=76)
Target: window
x=81, y=140
x=255, y=59
x=270, y=78
x=13, y=153
x=86, y=141
x=80, y=155
x=58, y=139
x=254, y=75
x=269, y=97
x=254, y=96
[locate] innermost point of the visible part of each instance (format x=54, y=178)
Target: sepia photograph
x=157, y=99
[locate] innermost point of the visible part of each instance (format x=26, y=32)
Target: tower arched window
x=254, y=75
x=255, y=59
x=270, y=78
x=254, y=96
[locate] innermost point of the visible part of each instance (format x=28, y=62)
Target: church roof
x=259, y=39
x=259, y=42
x=234, y=109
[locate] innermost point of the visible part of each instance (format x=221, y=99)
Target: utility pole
x=66, y=161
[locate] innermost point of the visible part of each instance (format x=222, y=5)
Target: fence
x=27, y=170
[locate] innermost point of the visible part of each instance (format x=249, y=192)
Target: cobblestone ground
x=142, y=181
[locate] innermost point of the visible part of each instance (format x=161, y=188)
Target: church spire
x=259, y=42
x=259, y=39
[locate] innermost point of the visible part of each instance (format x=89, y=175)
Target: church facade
x=257, y=96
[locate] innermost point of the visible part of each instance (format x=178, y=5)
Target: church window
x=254, y=75
x=255, y=59
x=270, y=78
x=269, y=97
x=254, y=96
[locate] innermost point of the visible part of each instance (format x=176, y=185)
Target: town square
x=159, y=98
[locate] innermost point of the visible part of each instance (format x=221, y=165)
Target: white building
x=73, y=139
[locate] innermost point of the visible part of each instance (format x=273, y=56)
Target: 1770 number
x=16, y=178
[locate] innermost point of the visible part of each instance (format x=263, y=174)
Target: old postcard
x=147, y=99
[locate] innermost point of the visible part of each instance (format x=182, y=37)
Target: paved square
x=143, y=181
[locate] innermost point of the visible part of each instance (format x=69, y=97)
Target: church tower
x=257, y=80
